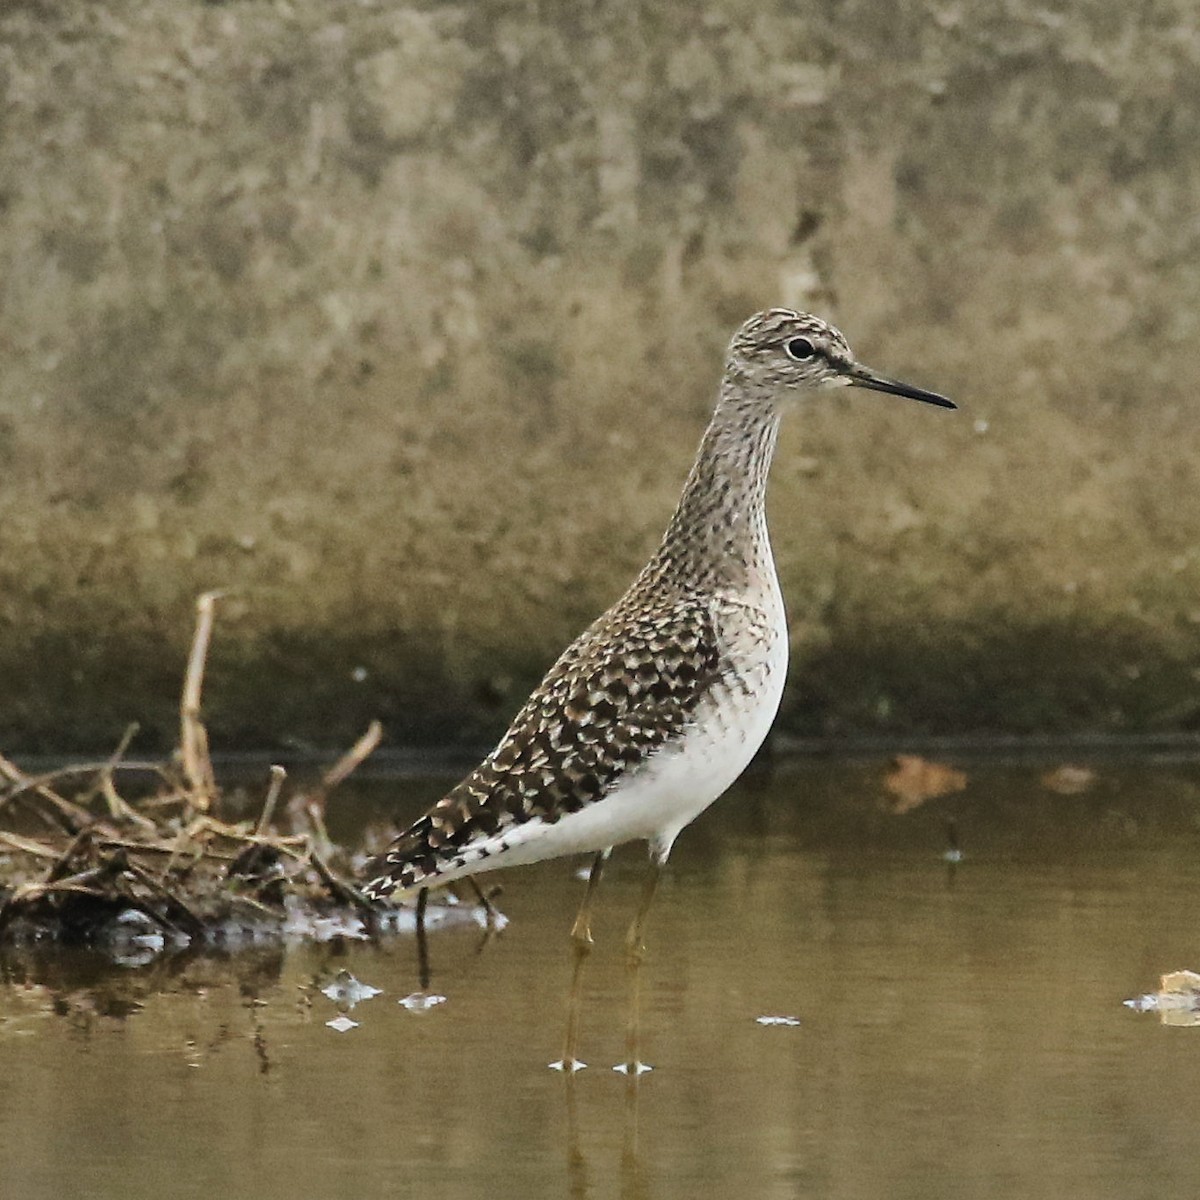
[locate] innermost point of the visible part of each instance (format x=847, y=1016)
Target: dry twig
x=353, y=758
x=67, y=815
x=28, y=845
x=338, y=888
x=278, y=775
x=193, y=737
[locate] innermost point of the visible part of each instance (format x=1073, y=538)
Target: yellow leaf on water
x=1186, y=983
x=1068, y=780
x=1179, y=998
x=913, y=780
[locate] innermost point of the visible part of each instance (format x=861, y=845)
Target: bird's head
x=780, y=351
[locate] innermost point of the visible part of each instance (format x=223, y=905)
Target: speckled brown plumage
x=692, y=655
x=618, y=693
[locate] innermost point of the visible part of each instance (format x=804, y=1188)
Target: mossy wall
x=401, y=322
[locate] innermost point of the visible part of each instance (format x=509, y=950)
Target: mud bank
x=402, y=323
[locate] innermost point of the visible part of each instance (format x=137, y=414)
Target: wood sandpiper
x=656, y=708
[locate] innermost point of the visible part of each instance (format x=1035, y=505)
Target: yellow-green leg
x=581, y=947
x=635, y=952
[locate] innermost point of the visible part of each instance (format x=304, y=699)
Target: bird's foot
x=567, y=1065
x=636, y=1067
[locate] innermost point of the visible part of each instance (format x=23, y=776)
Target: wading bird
x=656, y=708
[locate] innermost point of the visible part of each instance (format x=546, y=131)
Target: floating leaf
x=1177, y=1001
x=913, y=780
x=1068, y=780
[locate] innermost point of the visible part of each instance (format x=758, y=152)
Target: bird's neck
x=718, y=535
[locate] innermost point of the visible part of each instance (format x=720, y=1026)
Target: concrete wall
x=401, y=322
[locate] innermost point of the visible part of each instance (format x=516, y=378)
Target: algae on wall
x=401, y=322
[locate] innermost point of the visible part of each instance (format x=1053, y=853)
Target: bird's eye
x=800, y=349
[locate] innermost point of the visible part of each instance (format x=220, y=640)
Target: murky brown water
x=960, y=1033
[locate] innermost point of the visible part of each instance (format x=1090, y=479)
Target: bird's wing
x=626, y=686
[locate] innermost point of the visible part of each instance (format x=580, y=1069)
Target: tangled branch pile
x=86, y=864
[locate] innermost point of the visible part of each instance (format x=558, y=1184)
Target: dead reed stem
x=193, y=737
x=278, y=775
x=353, y=758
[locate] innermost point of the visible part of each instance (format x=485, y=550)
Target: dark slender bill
x=877, y=383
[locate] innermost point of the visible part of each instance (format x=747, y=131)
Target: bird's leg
x=484, y=902
x=635, y=951
x=491, y=922
x=423, y=973
x=581, y=946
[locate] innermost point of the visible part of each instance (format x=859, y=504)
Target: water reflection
x=960, y=1024
x=1177, y=1000
x=632, y=1178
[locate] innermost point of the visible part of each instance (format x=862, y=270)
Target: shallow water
x=961, y=1031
